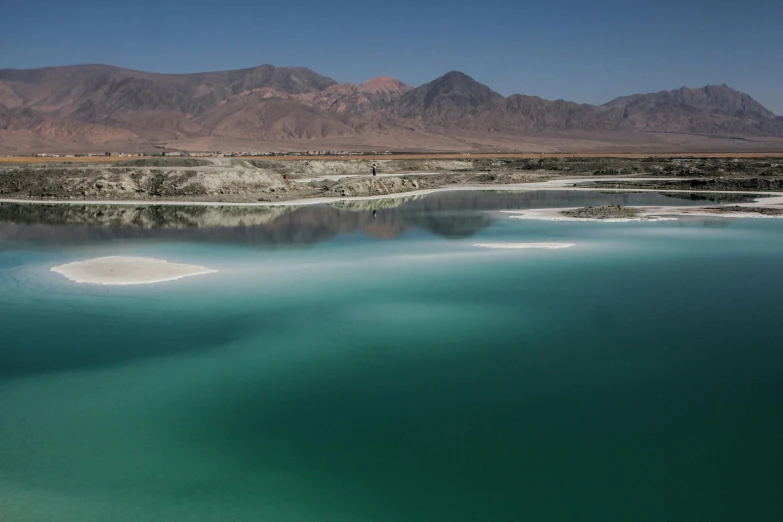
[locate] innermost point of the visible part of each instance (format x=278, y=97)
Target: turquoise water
x=360, y=368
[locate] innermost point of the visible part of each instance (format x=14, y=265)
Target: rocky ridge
x=97, y=104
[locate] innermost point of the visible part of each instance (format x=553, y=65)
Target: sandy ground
x=450, y=156
x=117, y=270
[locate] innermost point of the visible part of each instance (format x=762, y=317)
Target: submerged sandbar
x=119, y=270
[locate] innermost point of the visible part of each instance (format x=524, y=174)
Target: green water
x=376, y=369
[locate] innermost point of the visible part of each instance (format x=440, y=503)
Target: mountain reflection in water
x=457, y=214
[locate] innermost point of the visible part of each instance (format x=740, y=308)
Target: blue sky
x=578, y=50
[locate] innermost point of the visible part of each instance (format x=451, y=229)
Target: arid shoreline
x=22, y=159
x=227, y=180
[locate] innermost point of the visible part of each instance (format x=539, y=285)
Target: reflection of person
x=373, y=215
x=374, y=167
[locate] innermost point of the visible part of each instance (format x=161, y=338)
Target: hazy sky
x=585, y=51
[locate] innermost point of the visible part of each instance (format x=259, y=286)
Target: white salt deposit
x=117, y=270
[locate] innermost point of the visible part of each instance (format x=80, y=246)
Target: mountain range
x=94, y=106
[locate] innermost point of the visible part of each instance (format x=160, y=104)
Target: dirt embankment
x=602, y=212
x=725, y=184
x=142, y=184
x=243, y=181
x=736, y=209
x=235, y=180
x=163, y=162
x=706, y=174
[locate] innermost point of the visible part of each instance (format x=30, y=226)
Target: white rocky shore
x=118, y=270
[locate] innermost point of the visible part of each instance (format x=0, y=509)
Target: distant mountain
x=355, y=99
x=531, y=113
x=97, y=91
x=151, y=105
x=711, y=109
x=95, y=104
x=262, y=116
x=718, y=99
x=444, y=100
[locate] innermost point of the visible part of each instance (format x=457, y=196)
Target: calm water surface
x=345, y=366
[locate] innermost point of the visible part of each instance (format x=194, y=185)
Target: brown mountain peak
x=384, y=84
x=445, y=99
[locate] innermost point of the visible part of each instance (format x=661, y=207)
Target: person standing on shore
x=374, y=168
